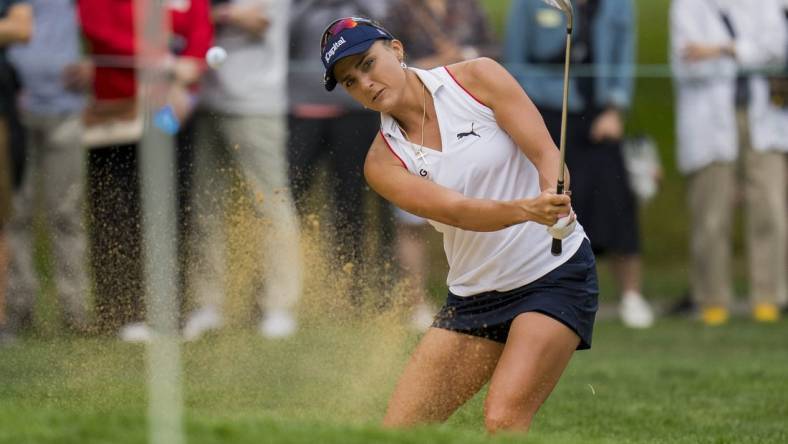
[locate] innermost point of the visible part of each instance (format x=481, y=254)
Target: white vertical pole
x=157, y=178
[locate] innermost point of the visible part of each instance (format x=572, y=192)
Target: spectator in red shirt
x=113, y=127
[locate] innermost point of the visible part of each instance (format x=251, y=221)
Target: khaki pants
x=712, y=194
x=52, y=187
x=249, y=151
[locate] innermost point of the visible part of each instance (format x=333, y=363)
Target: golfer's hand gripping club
x=566, y=7
x=557, y=246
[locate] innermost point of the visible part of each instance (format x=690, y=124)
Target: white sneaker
x=136, y=332
x=635, y=311
x=421, y=317
x=278, y=324
x=202, y=321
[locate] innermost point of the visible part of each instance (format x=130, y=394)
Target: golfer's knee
x=407, y=414
x=504, y=416
x=399, y=416
x=395, y=420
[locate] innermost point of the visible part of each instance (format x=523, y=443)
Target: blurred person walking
x=434, y=33
x=112, y=131
x=16, y=26
x=603, y=42
x=52, y=98
x=335, y=131
x=241, y=131
x=729, y=143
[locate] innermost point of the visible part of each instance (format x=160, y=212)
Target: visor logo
x=334, y=49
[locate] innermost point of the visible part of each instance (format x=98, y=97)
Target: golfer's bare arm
x=492, y=85
x=389, y=178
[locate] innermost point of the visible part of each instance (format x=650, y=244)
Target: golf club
x=566, y=7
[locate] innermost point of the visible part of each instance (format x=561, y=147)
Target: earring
x=403, y=65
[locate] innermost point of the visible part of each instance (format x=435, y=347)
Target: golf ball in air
x=215, y=56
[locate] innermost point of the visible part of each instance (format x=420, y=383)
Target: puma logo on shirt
x=469, y=133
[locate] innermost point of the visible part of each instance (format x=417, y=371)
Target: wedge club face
x=566, y=7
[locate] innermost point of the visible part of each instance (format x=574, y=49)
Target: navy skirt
x=567, y=294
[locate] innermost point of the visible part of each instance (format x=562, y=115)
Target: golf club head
x=566, y=7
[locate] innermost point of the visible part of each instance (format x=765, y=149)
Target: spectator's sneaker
x=421, y=317
x=635, y=311
x=278, y=324
x=202, y=321
x=765, y=312
x=136, y=332
x=714, y=316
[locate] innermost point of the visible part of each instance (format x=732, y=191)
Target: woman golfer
x=464, y=147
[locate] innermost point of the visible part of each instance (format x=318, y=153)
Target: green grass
x=678, y=383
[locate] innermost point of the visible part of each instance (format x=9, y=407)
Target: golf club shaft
x=557, y=246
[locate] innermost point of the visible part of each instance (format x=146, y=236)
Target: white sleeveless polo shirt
x=480, y=160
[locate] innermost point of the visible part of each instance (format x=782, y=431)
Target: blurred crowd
x=261, y=129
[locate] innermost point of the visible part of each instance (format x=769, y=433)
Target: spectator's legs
x=3, y=279
x=184, y=161
x=412, y=255
x=351, y=136
x=5, y=208
x=22, y=280
x=784, y=301
x=62, y=173
x=306, y=146
x=711, y=202
x=765, y=204
x=411, y=249
x=628, y=272
x=209, y=184
x=115, y=235
x=260, y=157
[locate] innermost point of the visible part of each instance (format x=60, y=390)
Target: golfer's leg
x=537, y=352
x=446, y=370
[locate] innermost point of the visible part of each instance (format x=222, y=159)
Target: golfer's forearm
x=486, y=215
x=547, y=165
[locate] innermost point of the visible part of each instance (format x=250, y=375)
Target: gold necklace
x=420, y=154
